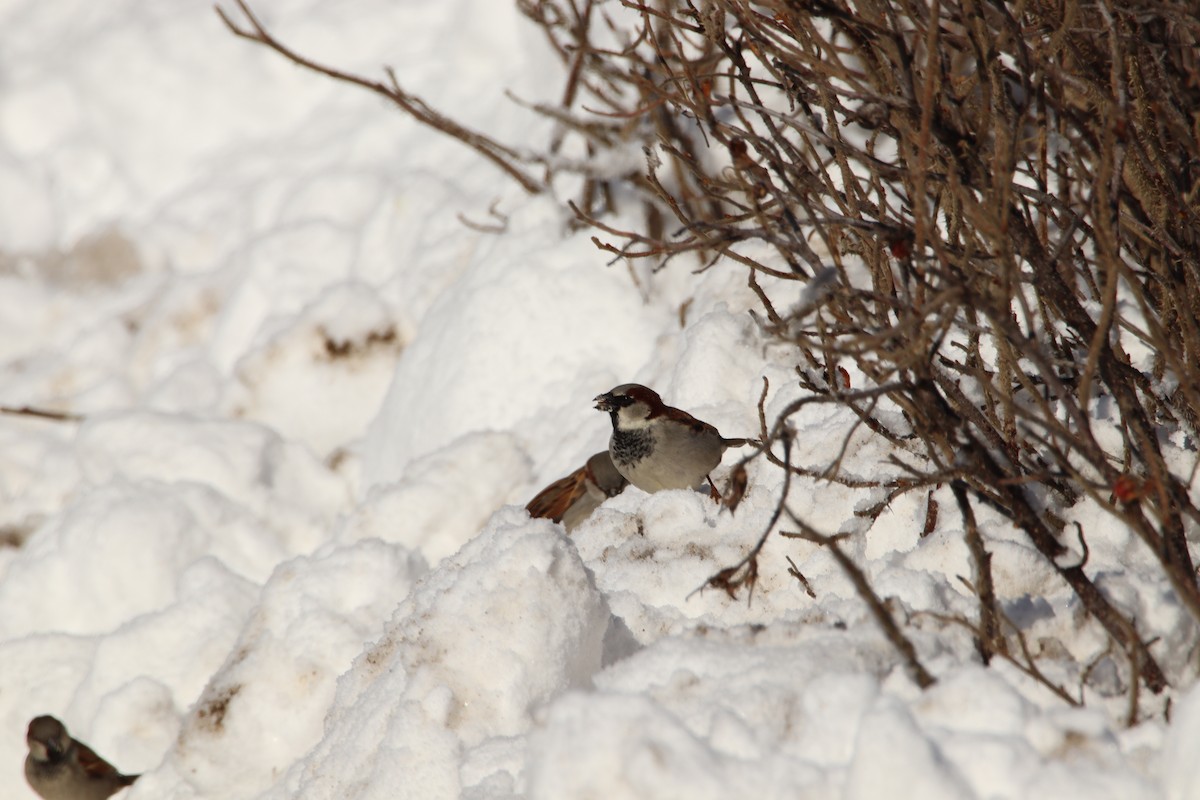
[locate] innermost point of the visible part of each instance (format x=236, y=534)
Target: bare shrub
x=1009, y=206
x=994, y=209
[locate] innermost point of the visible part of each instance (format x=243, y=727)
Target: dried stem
x=500, y=155
x=879, y=612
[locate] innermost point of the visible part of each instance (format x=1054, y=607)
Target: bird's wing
x=679, y=415
x=553, y=501
x=93, y=765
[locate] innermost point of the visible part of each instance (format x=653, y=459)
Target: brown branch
x=41, y=413
x=1027, y=665
x=500, y=155
x=878, y=610
x=990, y=641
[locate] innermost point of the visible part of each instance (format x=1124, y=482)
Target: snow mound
x=450, y=675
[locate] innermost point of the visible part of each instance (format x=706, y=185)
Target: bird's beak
x=604, y=402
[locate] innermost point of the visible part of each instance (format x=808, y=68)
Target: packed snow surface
x=281, y=550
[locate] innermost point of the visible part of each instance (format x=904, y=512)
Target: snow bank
x=451, y=675
x=279, y=678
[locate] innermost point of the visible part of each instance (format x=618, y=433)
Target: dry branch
x=990, y=640
x=875, y=605
x=502, y=156
x=41, y=413
x=1009, y=201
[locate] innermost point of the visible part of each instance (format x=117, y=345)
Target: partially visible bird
x=61, y=768
x=656, y=446
x=572, y=499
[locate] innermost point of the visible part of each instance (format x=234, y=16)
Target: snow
x=283, y=553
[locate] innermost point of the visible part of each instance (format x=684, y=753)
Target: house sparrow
x=61, y=768
x=658, y=447
x=572, y=499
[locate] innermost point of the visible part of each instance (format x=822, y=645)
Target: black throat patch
x=630, y=447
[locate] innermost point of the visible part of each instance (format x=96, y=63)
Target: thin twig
x=878, y=610
x=500, y=155
x=41, y=413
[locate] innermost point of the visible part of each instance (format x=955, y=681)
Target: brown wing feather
x=553, y=501
x=699, y=425
x=93, y=765
x=679, y=415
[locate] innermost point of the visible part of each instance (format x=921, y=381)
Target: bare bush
x=1009, y=203
x=994, y=209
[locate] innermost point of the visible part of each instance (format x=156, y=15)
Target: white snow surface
x=284, y=553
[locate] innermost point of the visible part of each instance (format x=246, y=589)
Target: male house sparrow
x=659, y=447
x=61, y=768
x=572, y=499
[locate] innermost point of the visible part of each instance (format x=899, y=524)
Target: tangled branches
x=989, y=213
x=1008, y=205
